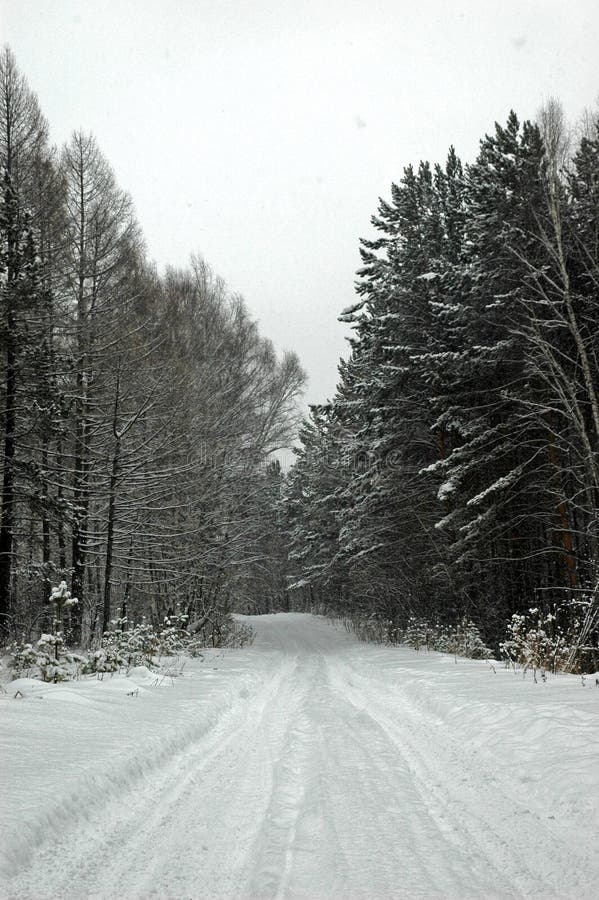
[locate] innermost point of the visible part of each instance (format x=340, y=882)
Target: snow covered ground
x=307, y=765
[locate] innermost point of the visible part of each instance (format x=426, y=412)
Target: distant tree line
x=456, y=470
x=139, y=412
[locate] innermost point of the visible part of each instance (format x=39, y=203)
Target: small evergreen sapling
x=61, y=599
x=49, y=656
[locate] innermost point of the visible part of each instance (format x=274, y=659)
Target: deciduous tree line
x=456, y=470
x=139, y=412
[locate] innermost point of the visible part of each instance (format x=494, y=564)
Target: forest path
x=339, y=773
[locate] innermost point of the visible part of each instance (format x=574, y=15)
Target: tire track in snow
x=297, y=842
x=328, y=781
x=337, y=814
x=394, y=850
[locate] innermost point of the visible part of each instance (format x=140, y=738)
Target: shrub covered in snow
x=47, y=659
x=536, y=640
x=463, y=639
x=173, y=637
x=127, y=645
x=555, y=639
x=104, y=659
x=420, y=633
x=23, y=659
x=124, y=646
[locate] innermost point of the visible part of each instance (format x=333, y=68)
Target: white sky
x=261, y=134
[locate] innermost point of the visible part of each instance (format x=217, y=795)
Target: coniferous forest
x=453, y=478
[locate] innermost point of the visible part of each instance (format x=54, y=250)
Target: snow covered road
x=307, y=765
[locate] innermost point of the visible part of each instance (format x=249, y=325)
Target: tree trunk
x=110, y=538
x=565, y=532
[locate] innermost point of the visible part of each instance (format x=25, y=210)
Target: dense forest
x=140, y=412
x=453, y=478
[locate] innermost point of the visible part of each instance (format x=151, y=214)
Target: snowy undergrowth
x=540, y=641
x=535, y=642
x=123, y=646
x=463, y=639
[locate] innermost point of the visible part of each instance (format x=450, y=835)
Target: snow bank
x=66, y=748
x=539, y=741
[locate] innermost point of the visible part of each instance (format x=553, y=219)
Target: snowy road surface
x=307, y=765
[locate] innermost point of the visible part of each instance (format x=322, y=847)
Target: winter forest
x=140, y=413
x=372, y=673
x=447, y=494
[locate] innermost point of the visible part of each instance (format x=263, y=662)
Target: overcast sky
x=261, y=134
